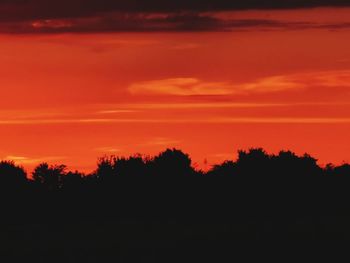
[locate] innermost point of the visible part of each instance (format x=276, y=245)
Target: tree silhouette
x=11, y=175
x=49, y=176
x=106, y=169
x=172, y=163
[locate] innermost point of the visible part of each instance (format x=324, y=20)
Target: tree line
x=168, y=185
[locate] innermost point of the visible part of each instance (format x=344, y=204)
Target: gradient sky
x=81, y=81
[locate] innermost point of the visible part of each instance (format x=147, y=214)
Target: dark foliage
x=257, y=198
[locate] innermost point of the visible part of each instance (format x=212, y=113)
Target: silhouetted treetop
x=11, y=175
x=172, y=162
x=49, y=176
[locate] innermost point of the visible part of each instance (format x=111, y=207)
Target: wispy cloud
x=203, y=119
x=180, y=86
x=162, y=141
x=116, y=111
x=108, y=149
x=194, y=86
x=211, y=102
x=270, y=84
x=292, y=120
x=334, y=78
x=280, y=83
x=23, y=160
x=139, y=107
x=31, y=114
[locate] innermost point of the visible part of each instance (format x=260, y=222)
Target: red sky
x=72, y=97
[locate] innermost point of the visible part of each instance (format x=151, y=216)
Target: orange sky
x=70, y=98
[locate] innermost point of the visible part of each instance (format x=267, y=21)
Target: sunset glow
x=70, y=94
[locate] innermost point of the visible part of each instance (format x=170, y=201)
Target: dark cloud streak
x=145, y=23
x=153, y=23
x=42, y=16
x=19, y=10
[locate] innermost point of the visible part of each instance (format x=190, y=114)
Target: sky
x=84, y=79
